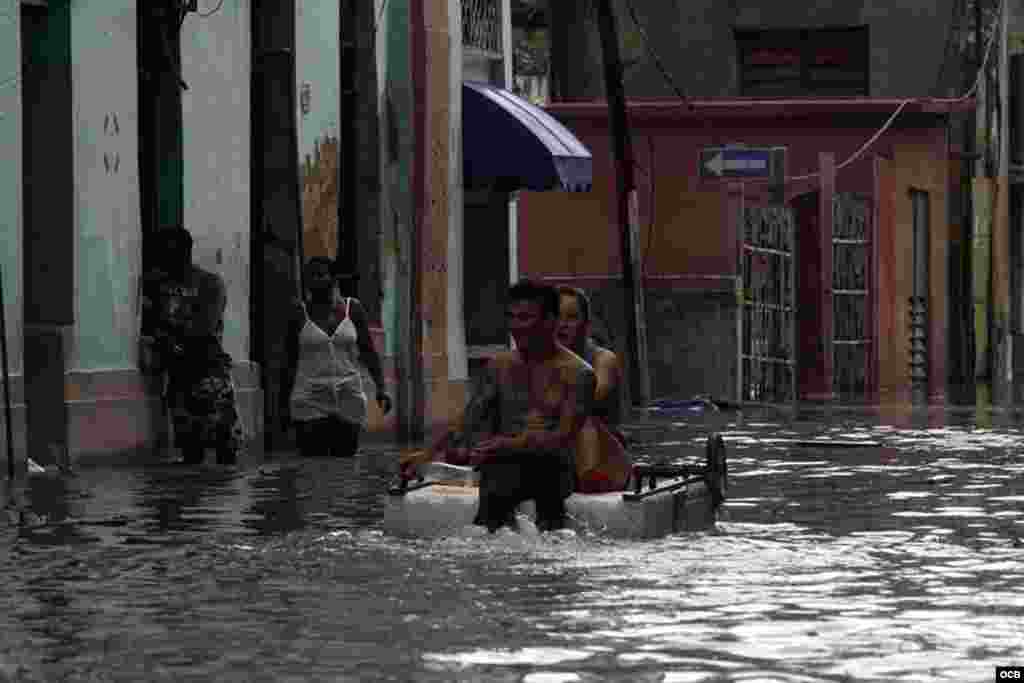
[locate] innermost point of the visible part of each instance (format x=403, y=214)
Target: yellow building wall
x=912, y=167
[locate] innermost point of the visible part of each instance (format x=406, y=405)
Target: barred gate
x=768, y=333
x=851, y=264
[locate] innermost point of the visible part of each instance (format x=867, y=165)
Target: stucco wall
x=912, y=166
x=108, y=249
x=686, y=249
x=317, y=75
x=215, y=55
x=694, y=40
x=11, y=207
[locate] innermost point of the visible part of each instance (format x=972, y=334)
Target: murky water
x=899, y=561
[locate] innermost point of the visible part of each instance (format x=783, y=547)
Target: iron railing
x=767, y=353
x=481, y=25
x=851, y=268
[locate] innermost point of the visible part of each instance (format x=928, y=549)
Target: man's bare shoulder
x=570, y=363
x=605, y=358
x=504, y=359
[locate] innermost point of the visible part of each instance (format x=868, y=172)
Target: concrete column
x=826, y=198
x=277, y=225
x=49, y=227
x=458, y=361
x=874, y=321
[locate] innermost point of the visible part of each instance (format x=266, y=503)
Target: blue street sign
x=743, y=162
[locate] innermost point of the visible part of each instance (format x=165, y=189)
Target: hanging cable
x=853, y=157
x=962, y=98
x=682, y=96
x=649, y=49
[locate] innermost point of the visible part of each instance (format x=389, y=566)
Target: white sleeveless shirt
x=328, y=379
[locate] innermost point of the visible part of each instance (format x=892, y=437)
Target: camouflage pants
x=205, y=415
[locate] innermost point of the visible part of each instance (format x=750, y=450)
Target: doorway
x=486, y=274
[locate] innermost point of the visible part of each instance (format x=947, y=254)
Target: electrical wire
x=649, y=49
x=904, y=103
x=853, y=157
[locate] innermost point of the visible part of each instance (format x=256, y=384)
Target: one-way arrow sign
x=742, y=162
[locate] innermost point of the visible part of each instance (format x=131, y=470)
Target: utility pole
x=1003, y=299
x=625, y=197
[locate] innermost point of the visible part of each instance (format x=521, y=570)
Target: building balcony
x=482, y=27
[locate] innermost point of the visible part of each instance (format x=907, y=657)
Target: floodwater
x=898, y=561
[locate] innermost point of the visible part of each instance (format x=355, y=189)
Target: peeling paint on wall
x=317, y=87
x=320, y=199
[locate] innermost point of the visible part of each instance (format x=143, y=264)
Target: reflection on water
x=901, y=560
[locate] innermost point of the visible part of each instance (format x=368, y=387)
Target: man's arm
x=476, y=417
x=479, y=413
x=576, y=406
x=608, y=373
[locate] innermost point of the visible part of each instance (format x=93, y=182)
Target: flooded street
x=902, y=560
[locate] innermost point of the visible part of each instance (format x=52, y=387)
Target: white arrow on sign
x=716, y=164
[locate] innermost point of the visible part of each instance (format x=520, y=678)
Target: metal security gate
x=767, y=331
x=851, y=263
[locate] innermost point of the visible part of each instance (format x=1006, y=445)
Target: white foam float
x=660, y=501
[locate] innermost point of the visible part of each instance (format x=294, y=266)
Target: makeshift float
x=658, y=500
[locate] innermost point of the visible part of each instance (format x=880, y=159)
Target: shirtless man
x=529, y=407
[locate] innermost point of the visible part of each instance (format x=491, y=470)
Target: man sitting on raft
x=529, y=406
x=602, y=463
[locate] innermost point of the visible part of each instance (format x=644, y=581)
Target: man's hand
x=408, y=462
x=494, y=444
x=488, y=449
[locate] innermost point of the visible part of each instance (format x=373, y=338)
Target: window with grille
x=803, y=62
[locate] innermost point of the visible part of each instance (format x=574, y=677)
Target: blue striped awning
x=510, y=144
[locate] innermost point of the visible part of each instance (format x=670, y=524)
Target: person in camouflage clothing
x=182, y=330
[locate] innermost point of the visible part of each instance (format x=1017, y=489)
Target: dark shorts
x=507, y=482
x=327, y=436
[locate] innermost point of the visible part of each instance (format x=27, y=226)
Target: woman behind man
x=602, y=463
x=328, y=340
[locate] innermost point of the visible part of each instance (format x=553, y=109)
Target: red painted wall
x=682, y=218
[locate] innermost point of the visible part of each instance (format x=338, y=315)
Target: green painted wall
x=396, y=130
x=10, y=176
x=108, y=254
x=216, y=120
x=316, y=63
